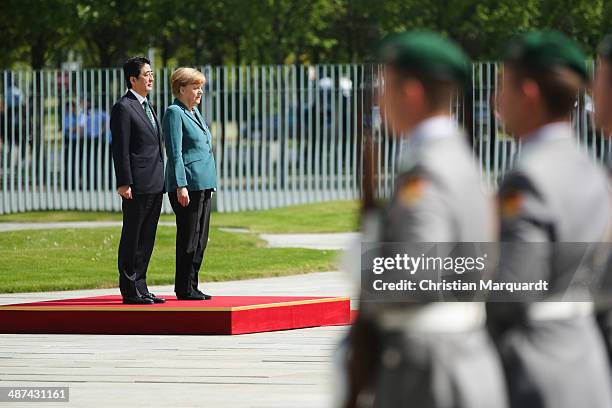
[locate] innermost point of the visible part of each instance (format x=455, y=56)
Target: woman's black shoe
x=195, y=295
x=137, y=300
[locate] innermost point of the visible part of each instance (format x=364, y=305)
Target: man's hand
x=125, y=192
x=183, y=196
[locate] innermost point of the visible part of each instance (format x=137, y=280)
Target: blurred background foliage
x=92, y=33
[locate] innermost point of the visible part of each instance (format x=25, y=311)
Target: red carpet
x=220, y=315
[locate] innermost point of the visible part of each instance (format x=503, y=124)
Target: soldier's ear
x=530, y=88
x=413, y=88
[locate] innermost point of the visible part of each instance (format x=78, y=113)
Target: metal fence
x=282, y=134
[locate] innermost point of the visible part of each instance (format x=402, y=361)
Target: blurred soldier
x=427, y=354
x=552, y=352
x=602, y=94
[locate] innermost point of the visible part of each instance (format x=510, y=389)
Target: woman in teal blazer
x=191, y=178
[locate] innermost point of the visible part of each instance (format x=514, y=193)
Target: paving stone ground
x=292, y=368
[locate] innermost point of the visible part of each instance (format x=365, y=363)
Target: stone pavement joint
x=292, y=368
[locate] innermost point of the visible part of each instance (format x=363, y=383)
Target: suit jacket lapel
x=204, y=126
x=140, y=111
x=196, y=121
x=206, y=129
x=188, y=114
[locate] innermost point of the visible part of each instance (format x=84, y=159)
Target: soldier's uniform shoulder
x=515, y=193
x=418, y=210
x=411, y=185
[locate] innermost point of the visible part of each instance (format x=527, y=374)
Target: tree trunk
x=37, y=53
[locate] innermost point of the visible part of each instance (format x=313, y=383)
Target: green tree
x=112, y=30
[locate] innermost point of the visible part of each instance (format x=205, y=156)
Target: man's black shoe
x=137, y=300
x=154, y=298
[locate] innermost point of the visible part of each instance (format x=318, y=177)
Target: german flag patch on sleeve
x=511, y=203
x=411, y=191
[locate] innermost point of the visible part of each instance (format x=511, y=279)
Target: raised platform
x=220, y=315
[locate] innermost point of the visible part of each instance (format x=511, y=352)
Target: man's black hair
x=132, y=68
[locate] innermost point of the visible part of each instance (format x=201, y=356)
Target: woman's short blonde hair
x=185, y=76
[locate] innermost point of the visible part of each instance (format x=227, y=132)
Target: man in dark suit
x=139, y=168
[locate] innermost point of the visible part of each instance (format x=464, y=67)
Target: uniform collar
x=435, y=127
x=138, y=96
x=547, y=133
x=431, y=129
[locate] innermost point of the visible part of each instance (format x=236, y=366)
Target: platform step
x=219, y=315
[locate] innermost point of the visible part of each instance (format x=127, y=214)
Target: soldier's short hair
x=559, y=86
x=438, y=92
x=554, y=61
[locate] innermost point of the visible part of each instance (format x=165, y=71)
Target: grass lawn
x=87, y=258
x=330, y=216
x=62, y=259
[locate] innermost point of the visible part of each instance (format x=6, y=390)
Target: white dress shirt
x=140, y=98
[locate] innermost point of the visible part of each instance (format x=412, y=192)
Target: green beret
x=426, y=53
x=544, y=50
x=605, y=48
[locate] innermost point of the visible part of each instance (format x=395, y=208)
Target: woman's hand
x=183, y=196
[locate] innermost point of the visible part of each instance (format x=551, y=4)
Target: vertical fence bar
x=284, y=119
x=62, y=131
x=53, y=132
x=301, y=162
x=265, y=157
x=341, y=135
x=239, y=139
x=355, y=139
x=12, y=165
x=284, y=134
x=317, y=145
x=4, y=139
x=248, y=140
x=310, y=145
x=280, y=139
x=294, y=135
x=36, y=138
x=325, y=134
x=256, y=140
x=28, y=156
x=272, y=140
x=227, y=187
x=219, y=141
x=22, y=147
x=332, y=140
